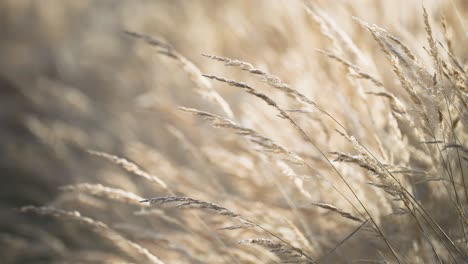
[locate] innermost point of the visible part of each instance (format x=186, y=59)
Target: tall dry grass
x=234, y=132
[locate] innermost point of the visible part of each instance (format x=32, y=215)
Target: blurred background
x=71, y=80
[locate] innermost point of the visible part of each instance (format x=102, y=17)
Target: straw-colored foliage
x=234, y=131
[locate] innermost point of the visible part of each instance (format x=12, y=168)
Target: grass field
x=234, y=131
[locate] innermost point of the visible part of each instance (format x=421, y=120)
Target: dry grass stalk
x=432, y=42
x=204, y=87
x=99, y=227
x=355, y=70
x=338, y=211
x=324, y=27
x=104, y=191
x=272, y=80
x=186, y=202
x=265, y=143
x=129, y=166
x=285, y=253
x=332, y=30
